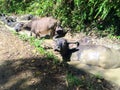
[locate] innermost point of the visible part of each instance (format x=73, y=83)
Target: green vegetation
x=73, y=80
x=37, y=44
x=88, y=82
x=102, y=16
x=98, y=75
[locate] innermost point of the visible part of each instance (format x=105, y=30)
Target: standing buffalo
x=43, y=26
x=88, y=54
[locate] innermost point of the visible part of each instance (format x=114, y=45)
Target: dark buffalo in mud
x=10, y=20
x=2, y=17
x=18, y=26
x=95, y=55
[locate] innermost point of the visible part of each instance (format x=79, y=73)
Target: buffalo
x=43, y=26
x=95, y=55
x=18, y=26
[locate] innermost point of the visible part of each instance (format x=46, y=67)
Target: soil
x=23, y=68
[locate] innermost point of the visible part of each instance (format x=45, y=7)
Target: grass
x=91, y=82
x=37, y=44
x=113, y=37
x=73, y=80
x=98, y=76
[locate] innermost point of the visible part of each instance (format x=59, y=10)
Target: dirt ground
x=23, y=68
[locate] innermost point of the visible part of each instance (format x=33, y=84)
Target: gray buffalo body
x=89, y=54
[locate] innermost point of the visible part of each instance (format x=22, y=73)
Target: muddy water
x=112, y=75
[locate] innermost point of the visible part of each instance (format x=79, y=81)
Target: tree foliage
x=76, y=14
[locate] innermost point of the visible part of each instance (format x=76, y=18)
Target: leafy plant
x=24, y=37
x=73, y=80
